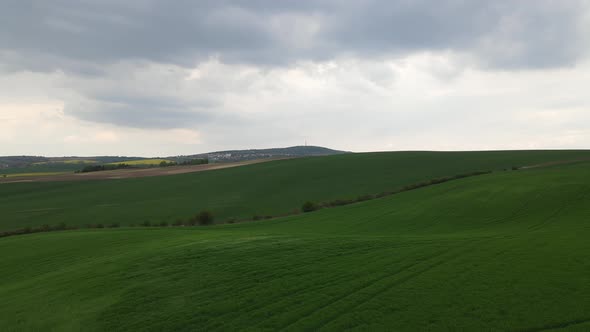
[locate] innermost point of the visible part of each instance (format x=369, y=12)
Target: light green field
x=265, y=189
x=146, y=162
x=506, y=251
x=34, y=174
x=69, y=161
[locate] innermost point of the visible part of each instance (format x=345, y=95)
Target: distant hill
x=39, y=164
x=20, y=161
x=240, y=155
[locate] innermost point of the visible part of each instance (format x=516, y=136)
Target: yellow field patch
x=142, y=162
x=80, y=161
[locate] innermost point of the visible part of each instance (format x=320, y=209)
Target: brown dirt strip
x=132, y=173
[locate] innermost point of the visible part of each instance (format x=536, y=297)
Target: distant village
x=238, y=156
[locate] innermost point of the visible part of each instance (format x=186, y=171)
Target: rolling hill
x=290, y=152
x=266, y=189
x=505, y=251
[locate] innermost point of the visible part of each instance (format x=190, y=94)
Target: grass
x=505, y=251
x=34, y=174
x=67, y=161
x=42, y=168
x=266, y=189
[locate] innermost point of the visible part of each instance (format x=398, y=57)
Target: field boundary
x=194, y=222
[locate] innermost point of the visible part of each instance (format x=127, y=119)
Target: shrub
x=164, y=224
x=383, y=194
x=192, y=221
x=339, y=202
x=146, y=223
x=114, y=225
x=178, y=222
x=99, y=226
x=364, y=198
x=205, y=217
x=256, y=217
x=309, y=206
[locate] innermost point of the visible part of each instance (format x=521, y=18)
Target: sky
x=163, y=78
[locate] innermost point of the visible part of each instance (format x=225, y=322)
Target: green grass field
x=63, y=165
x=34, y=174
x=42, y=168
x=272, y=188
x=506, y=251
x=69, y=161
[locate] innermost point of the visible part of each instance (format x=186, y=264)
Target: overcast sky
x=158, y=78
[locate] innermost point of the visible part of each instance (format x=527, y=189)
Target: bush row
x=205, y=218
x=30, y=230
x=310, y=206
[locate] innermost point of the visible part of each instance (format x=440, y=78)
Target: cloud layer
x=359, y=75
x=79, y=35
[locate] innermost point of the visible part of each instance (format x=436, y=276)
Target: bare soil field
x=130, y=173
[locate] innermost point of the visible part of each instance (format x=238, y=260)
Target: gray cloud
x=132, y=63
x=136, y=116
x=140, y=112
x=505, y=33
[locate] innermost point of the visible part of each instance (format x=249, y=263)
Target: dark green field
x=266, y=189
x=506, y=251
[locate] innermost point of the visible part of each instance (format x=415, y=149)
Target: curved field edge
x=505, y=251
x=266, y=189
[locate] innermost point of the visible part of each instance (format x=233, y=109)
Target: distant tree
x=192, y=221
x=107, y=167
x=205, y=217
x=198, y=161
x=364, y=198
x=309, y=206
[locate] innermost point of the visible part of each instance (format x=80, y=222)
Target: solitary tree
x=309, y=206
x=205, y=217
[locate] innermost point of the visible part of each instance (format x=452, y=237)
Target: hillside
x=266, y=189
x=290, y=152
x=29, y=165
x=503, y=251
x=17, y=165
